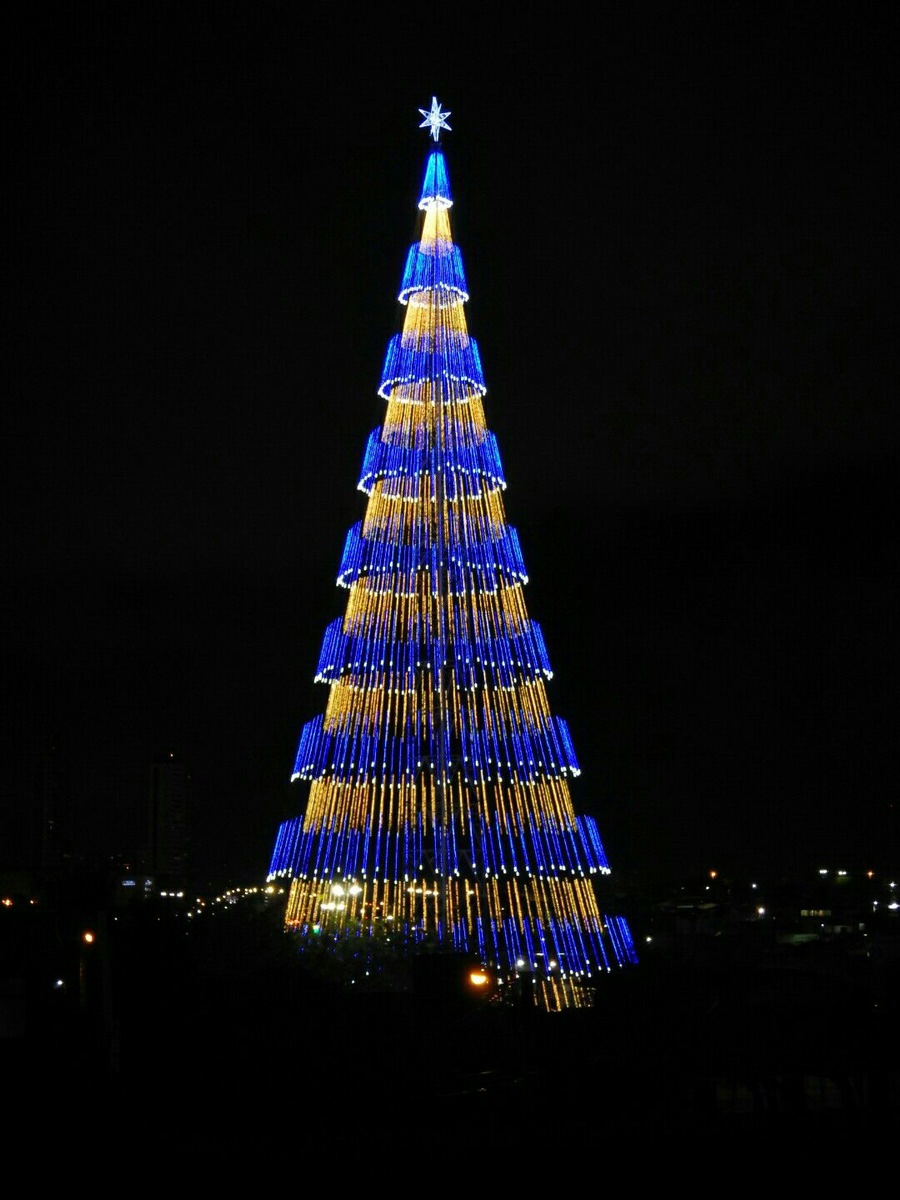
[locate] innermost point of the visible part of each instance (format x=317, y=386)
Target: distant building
x=31, y=838
x=167, y=840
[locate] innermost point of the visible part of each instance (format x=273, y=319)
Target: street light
x=87, y=939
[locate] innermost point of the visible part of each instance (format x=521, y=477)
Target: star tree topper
x=436, y=119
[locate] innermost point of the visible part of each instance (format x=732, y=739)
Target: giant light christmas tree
x=439, y=815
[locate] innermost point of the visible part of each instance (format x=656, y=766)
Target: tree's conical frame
x=439, y=814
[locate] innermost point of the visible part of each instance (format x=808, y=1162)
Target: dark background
x=678, y=230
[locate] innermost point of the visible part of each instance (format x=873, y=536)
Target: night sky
x=678, y=229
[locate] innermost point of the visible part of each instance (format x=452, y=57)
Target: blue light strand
x=436, y=182
x=596, y=855
x=504, y=750
x=348, y=849
x=469, y=466
x=457, y=365
x=284, y=855
x=486, y=567
x=421, y=267
x=621, y=933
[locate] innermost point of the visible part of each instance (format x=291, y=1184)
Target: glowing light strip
x=551, y=925
x=485, y=567
x=386, y=660
x=283, y=861
x=591, y=834
x=468, y=467
x=421, y=268
x=459, y=365
x=436, y=184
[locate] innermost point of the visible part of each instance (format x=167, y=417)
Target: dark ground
x=217, y=1047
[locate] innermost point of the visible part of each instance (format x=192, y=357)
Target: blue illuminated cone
x=439, y=814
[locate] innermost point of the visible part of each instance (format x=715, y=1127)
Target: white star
x=436, y=119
